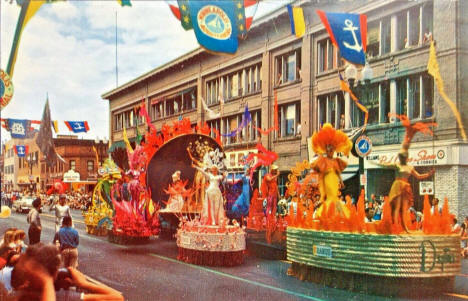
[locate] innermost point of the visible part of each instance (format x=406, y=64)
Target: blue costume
x=242, y=204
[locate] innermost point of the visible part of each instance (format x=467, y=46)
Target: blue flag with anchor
x=348, y=32
x=214, y=23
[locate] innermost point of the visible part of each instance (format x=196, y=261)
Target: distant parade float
x=98, y=217
x=329, y=241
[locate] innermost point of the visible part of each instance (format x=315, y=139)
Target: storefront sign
x=417, y=157
x=426, y=187
x=71, y=176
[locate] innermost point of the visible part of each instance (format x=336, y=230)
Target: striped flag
x=77, y=126
x=296, y=18
x=55, y=126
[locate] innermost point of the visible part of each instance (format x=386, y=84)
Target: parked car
x=24, y=204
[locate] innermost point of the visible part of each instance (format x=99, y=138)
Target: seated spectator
x=20, y=235
x=369, y=215
x=37, y=270
x=69, y=239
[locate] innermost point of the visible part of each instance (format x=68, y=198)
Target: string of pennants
x=22, y=128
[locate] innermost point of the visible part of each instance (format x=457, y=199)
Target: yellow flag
x=299, y=23
x=433, y=69
x=125, y=139
x=33, y=7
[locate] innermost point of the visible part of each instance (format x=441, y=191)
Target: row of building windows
x=10, y=153
x=23, y=162
x=126, y=119
x=414, y=97
x=227, y=125
x=239, y=83
x=183, y=102
x=60, y=166
x=9, y=169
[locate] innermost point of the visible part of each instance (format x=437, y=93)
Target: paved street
x=151, y=272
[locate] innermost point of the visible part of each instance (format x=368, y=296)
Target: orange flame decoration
x=433, y=223
x=155, y=140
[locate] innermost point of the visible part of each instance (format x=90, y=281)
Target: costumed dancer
x=269, y=190
x=401, y=194
x=325, y=143
x=213, y=211
x=242, y=204
x=177, y=193
x=199, y=183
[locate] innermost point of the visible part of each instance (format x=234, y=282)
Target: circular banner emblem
x=6, y=88
x=363, y=146
x=214, y=22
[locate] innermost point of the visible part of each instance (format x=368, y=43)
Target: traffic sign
x=363, y=146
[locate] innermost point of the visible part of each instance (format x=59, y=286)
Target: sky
x=67, y=51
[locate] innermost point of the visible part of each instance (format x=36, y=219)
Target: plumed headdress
x=329, y=136
x=214, y=159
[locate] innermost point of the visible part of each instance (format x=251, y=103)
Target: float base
x=372, y=284
x=207, y=258
x=121, y=239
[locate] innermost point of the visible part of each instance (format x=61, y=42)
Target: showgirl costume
x=401, y=186
x=330, y=168
x=213, y=210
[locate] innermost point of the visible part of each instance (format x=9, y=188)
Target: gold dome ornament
x=6, y=89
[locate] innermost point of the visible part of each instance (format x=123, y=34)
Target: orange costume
x=326, y=142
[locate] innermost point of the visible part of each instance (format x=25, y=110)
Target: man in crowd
x=61, y=210
x=69, y=239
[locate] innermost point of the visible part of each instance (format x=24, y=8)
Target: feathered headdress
x=412, y=129
x=214, y=159
x=329, y=136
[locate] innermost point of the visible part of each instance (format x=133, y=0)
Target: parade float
x=209, y=238
x=98, y=217
x=135, y=217
x=333, y=245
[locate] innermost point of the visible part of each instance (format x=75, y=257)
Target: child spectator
x=20, y=235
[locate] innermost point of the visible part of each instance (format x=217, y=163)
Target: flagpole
x=116, y=62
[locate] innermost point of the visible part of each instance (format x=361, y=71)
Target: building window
x=289, y=118
x=157, y=109
x=415, y=96
x=386, y=36
x=331, y=109
x=90, y=165
x=288, y=67
x=229, y=124
x=327, y=56
x=369, y=97
x=72, y=164
x=215, y=125
x=373, y=39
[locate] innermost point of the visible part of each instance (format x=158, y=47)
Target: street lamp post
x=32, y=160
x=356, y=86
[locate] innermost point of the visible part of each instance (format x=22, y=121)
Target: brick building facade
x=303, y=73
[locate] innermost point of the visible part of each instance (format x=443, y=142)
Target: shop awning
x=119, y=144
x=349, y=172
